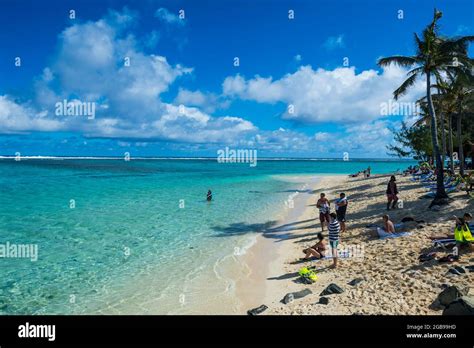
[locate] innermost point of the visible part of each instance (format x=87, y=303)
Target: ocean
x=138, y=236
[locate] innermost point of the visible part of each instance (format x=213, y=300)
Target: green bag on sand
x=308, y=274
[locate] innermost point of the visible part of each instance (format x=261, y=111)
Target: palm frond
x=403, y=61
x=417, y=70
x=404, y=86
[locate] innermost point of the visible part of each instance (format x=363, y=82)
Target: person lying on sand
x=388, y=227
x=316, y=250
x=354, y=175
x=324, y=209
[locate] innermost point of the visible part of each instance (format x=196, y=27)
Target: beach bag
x=463, y=234
x=307, y=276
x=467, y=235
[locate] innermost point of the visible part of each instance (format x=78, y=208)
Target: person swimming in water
x=209, y=195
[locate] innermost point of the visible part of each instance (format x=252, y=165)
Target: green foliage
x=412, y=141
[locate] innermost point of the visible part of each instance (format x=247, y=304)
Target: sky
x=187, y=78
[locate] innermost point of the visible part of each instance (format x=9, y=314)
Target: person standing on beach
x=334, y=229
x=368, y=171
x=324, y=209
x=341, y=208
x=392, y=192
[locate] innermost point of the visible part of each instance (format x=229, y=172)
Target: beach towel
x=340, y=254
x=400, y=225
x=383, y=235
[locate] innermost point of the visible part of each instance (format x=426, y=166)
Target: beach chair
x=446, y=183
x=444, y=243
x=432, y=193
x=421, y=176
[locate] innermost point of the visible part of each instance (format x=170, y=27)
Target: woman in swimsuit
x=316, y=250
x=392, y=192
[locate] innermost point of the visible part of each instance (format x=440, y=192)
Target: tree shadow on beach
x=284, y=276
x=308, y=240
x=268, y=229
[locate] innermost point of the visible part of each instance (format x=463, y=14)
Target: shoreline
x=267, y=257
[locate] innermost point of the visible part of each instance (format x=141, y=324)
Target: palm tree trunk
x=441, y=196
x=450, y=140
x=459, y=136
x=443, y=131
x=443, y=136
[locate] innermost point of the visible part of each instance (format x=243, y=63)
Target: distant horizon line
x=203, y=158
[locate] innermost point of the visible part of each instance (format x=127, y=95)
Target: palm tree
x=445, y=100
x=434, y=55
x=456, y=100
x=464, y=102
x=443, y=134
x=450, y=140
x=442, y=126
x=440, y=103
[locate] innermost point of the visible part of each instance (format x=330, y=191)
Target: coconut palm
x=440, y=103
x=464, y=102
x=444, y=103
x=456, y=100
x=433, y=56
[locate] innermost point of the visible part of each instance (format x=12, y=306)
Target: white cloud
x=339, y=95
x=16, y=118
x=181, y=124
x=208, y=102
x=333, y=42
x=89, y=67
x=322, y=136
x=282, y=141
x=166, y=16
x=152, y=39
x=362, y=140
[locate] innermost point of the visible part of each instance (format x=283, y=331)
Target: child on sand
x=316, y=250
x=324, y=208
x=334, y=230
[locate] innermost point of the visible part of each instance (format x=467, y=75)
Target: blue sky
x=306, y=86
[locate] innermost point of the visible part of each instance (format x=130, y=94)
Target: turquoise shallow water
x=128, y=246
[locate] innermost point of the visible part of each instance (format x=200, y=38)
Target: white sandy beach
x=395, y=282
